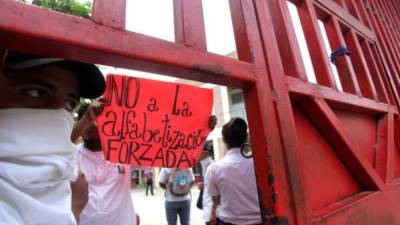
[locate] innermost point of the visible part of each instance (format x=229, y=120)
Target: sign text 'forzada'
x=154, y=123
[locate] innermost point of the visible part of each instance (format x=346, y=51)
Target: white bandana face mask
x=35, y=147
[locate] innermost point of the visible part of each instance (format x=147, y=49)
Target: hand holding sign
x=87, y=119
x=154, y=123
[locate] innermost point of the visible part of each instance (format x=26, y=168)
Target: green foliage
x=73, y=7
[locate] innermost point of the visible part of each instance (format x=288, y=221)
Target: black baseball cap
x=91, y=80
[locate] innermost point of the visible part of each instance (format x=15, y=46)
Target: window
x=236, y=104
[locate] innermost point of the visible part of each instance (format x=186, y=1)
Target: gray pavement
x=152, y=211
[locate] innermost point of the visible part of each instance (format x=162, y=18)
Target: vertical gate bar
x=353, y=9
x=375, y=73
x=397, y=6
x=110, y=13
x=359, y=4
x=389, y=26
x=392, y=43
x=241, y=31
x=383, y=75
x=396, y=9
x=392, y=6
x=267, y=142
x=382, y=16
x=288, y=45
x=396, y=13
x=388, y=61
x=381, y=152
x=360, y=66
x=258, y=102
x=315, y=43
x=384, y=151
x=292, y=166
x=343, y=64
x=390, y=13
x=395, y=31
x=392, y=50
x=383, y=39
x=393, y=14
x=392, y=83
x=189, y=24
x=391, y=148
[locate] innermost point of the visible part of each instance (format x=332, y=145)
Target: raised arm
x=87, y=120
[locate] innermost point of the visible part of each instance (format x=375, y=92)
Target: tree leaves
x=72, y=7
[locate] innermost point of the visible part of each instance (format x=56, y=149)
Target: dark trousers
x=220, y=222
x=149, y=184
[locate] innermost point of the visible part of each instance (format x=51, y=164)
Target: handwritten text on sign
x=154, y=123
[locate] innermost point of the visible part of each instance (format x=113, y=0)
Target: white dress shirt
x=110, y=200
x=233, y=179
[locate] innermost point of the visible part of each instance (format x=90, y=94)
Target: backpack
x=179, y=182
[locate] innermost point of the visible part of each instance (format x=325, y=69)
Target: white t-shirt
x=110, y=200
x=233, y=179
x=207, y=200
x=164, y=177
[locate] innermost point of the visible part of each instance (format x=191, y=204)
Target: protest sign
x=154, y=123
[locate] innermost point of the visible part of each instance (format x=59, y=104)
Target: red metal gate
x=323, y=155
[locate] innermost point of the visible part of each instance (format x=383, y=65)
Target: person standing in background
x=177, y=202
x=206, y=201
x=148, y=175
x=177, y=184
x=232, y=182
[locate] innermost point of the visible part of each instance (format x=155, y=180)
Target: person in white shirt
x=177, y=203
x=109, y=184
x=205, y=160
x=37, y=160
x=231, y=182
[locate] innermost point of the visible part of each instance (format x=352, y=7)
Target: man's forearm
x=213, y=214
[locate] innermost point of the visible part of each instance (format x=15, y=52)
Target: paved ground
x=152, y=211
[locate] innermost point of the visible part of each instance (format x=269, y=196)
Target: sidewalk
x=152, y=211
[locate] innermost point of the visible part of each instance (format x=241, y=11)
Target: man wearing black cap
x=37, y=163
x=109, y=184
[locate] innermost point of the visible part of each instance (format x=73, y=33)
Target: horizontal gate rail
x=76, y=38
